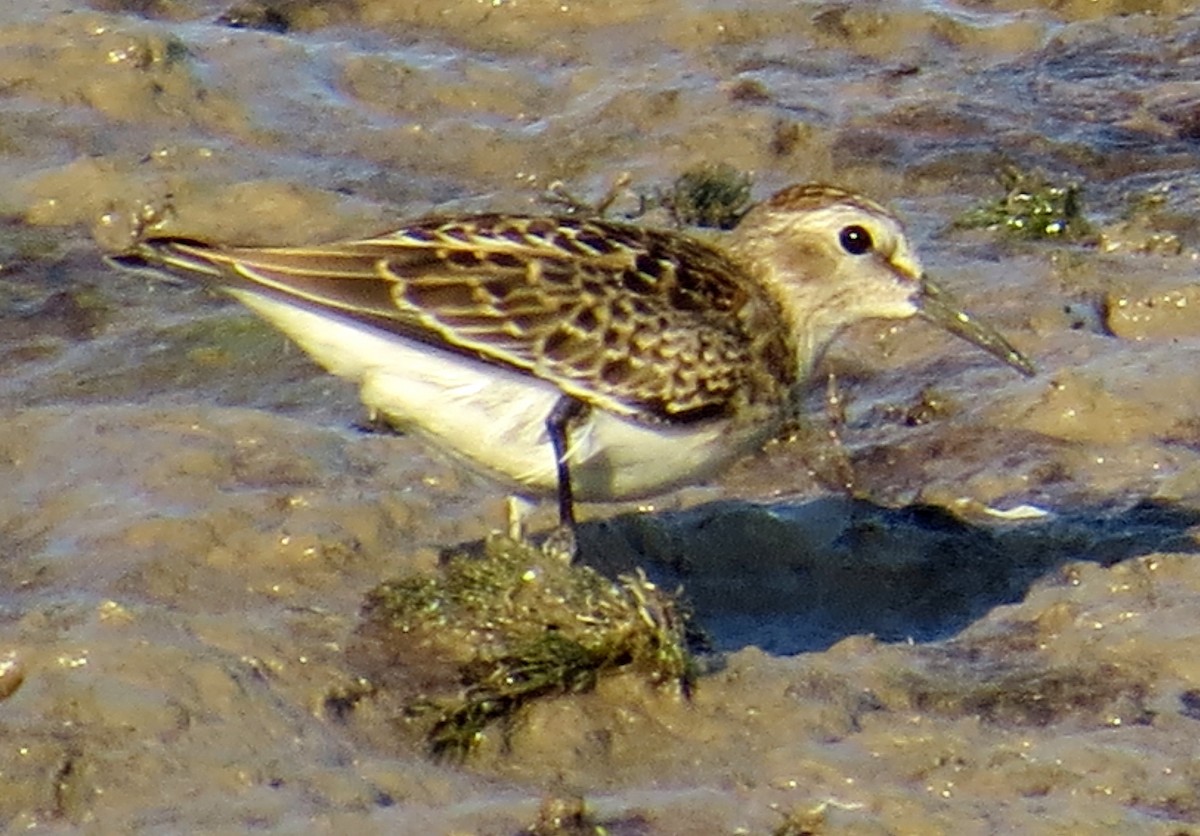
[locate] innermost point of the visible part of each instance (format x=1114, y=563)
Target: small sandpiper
x=584, y=358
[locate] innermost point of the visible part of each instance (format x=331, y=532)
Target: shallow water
x=193, y=512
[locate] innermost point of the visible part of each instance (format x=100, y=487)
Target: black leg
x=558, y=425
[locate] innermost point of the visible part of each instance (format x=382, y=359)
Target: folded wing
x=630, y=320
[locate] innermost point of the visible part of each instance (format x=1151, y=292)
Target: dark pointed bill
x=942, y=310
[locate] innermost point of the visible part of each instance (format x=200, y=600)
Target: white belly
x=495, y=418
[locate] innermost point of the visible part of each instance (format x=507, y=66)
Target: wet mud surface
x=999, y=634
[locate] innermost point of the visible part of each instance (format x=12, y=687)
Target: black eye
x=855, y=240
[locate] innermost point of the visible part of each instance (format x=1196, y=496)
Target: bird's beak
x=942, y=310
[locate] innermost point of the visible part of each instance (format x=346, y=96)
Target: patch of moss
x=519, y=625
x=707, y=195
x=1032, y=208
x=715, y=196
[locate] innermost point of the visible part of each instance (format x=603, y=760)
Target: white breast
x=495, y=418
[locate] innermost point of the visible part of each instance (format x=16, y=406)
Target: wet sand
x=1000, y=637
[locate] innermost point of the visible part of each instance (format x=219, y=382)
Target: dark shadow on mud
x=797, y=578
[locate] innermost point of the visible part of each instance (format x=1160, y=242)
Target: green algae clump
x=481, y=638
x=713, y=196
x=1032, y=208
x=708, y=195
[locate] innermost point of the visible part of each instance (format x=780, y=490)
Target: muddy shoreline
x=999, y=637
